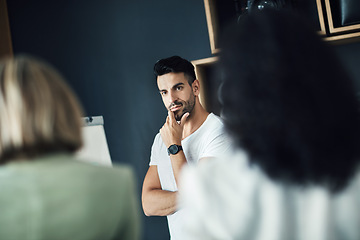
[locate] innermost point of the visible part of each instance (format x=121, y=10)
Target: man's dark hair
x=289, y=102
x=175, y=64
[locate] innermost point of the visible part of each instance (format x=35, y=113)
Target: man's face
x=176, y=93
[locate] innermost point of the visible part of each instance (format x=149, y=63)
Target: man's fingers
x=183, y=118
x=171, y=116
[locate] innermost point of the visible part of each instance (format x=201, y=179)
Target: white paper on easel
x=95, y=148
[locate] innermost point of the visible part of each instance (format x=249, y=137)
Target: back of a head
x=288, y=101
x=175, y=64
x=39, y=113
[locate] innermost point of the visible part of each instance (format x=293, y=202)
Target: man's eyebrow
x=177, y=85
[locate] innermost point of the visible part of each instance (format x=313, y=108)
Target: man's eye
x=178, y=88
x=163, y=93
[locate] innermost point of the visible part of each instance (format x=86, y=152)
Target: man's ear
x=196, y=87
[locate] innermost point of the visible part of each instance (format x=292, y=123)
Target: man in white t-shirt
x=189, y=134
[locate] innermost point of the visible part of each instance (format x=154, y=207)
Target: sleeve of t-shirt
x=154, y=159
x=218, y=144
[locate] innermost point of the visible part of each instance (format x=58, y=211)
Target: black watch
x=174, y=149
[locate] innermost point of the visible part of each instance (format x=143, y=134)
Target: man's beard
x=188, y=107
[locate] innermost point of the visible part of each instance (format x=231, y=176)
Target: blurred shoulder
x=216, y=171
x=71, y=166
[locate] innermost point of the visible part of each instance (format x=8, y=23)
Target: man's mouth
x=175, y=108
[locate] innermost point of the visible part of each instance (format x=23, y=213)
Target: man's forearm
x=159, y=202
x=177, y=162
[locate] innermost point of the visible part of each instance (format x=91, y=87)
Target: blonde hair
x=39, y=113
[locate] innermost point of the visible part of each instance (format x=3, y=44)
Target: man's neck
x=198, y=117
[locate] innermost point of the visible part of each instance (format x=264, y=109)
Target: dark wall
x=350, y=56
x=106, y=50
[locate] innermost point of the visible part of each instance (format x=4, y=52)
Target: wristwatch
x=174, y=149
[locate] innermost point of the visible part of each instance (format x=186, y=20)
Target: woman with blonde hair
x=45, y=192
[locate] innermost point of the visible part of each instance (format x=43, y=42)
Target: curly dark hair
x=288, y=101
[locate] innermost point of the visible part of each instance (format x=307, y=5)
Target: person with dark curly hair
x=292, y=112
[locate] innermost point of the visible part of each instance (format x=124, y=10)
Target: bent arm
x=155, y=201
x=177, y=163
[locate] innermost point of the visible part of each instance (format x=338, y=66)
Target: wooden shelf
x=205, y=72
x=323, y=14
x=5, y=37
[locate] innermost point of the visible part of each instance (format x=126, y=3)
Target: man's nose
x=172, y=97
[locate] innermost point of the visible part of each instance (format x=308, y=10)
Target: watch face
x=173, y=149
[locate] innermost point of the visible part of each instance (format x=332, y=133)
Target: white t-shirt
x=228, y=199
x=209, y=140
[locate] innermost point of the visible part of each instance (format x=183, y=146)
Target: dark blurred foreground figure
x=44, y=192
x=292, y=112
